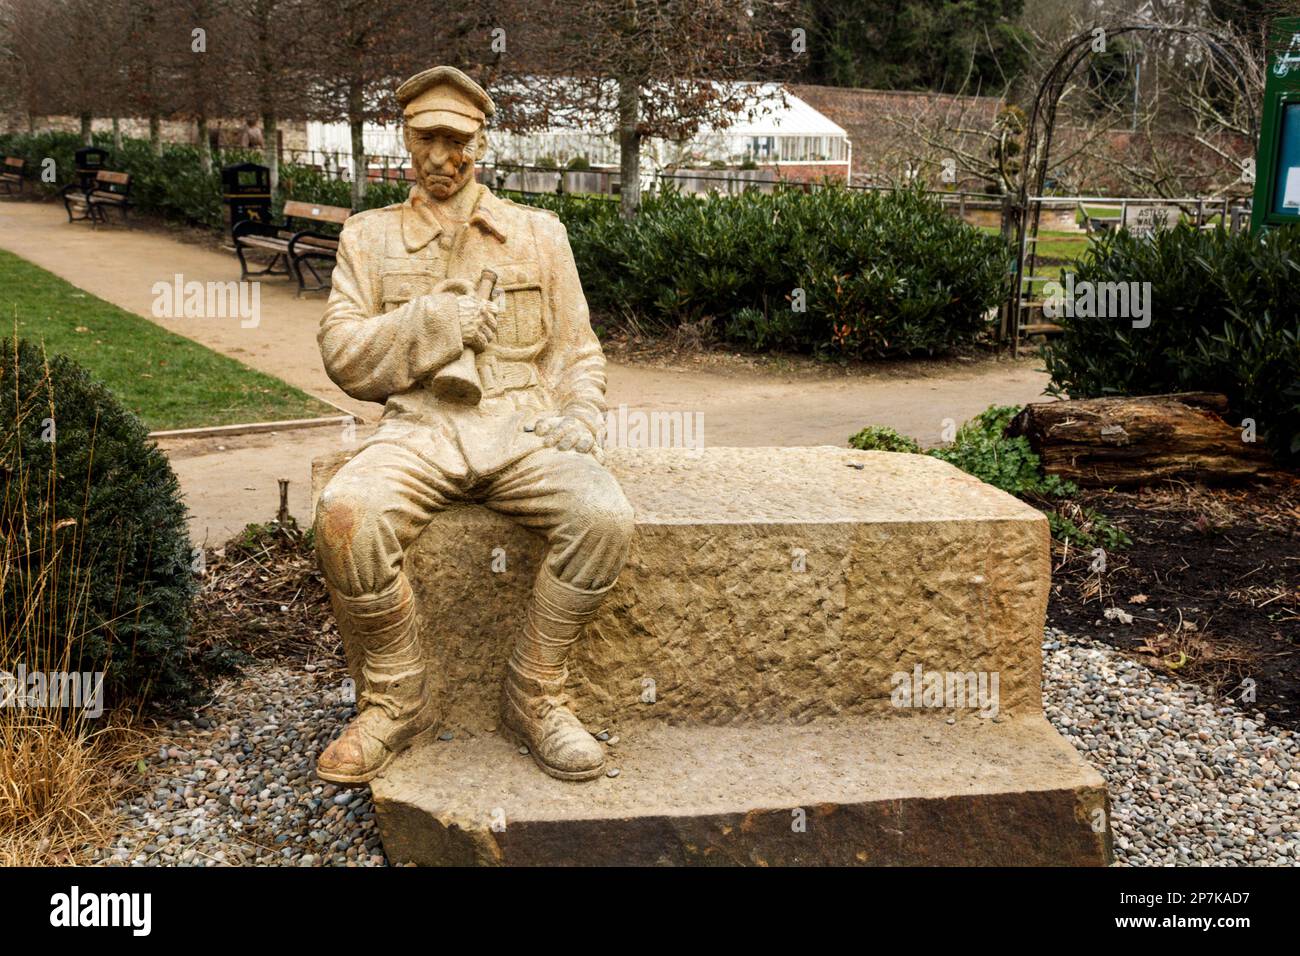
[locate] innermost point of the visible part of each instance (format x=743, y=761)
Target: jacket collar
x=421, y=227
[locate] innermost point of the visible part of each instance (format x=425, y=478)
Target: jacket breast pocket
x=398, y=288
x=522, y=322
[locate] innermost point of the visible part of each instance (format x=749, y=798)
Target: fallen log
x=1117, y=442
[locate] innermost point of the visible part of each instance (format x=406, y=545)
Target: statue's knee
x=610, y=518
x=356, y=539
x=340, y=513
x=338, y=517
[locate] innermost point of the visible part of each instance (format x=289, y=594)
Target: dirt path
x=232, y=482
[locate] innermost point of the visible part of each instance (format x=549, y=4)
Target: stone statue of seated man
x=463, y=313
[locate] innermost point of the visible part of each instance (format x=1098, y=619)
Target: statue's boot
x=534, y=704
x=393, y=704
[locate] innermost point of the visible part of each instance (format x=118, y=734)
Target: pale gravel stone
x=1192, y=780
x=263, y=806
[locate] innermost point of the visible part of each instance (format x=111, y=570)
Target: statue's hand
x=478, y=320
x=566, y=433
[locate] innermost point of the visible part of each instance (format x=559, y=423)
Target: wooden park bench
x=108, y=190
x=11, y=175
x=292, y=249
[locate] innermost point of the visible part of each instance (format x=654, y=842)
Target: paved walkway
x=231, y=482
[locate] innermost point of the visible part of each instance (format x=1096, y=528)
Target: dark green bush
x=880, y=273
x=1225, y=317
x=35, y=148
x=883, y=438
x=172, y=185
x=96, y=563
x=580, y=213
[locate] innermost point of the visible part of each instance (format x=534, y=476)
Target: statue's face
x=443, y=160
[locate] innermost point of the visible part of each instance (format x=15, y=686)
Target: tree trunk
x=629, y=147
x=359, y=168
x=87, y=138
x=1010, y=219
x=270, y=148
x=117, y=135
x=155, y=133
x=1115, y=442
x=205, y=148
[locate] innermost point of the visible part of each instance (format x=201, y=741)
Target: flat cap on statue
x=444, y=98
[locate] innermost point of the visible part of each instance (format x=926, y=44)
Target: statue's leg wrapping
x=587, y=522
x=373, y=509
x=393, y=704
x=534, y=703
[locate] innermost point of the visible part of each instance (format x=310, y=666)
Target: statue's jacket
x=382, y=341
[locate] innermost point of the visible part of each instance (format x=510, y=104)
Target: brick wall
x=809, y=172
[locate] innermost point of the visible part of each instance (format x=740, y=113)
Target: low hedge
x=1225, y=317
x=840, y=271
x=173, y=184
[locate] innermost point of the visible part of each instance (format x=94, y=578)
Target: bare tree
x=271, y=53
x=960, y=138
x=26, y=55
x=1194, y=119
x=642, y=68
x=66, y=59
x=146, y=78
x=362, y=49
x=196, y=34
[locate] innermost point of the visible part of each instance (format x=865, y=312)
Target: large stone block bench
x=748, y=668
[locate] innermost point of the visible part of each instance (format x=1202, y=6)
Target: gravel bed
x=1192, y=781
x=237, y=785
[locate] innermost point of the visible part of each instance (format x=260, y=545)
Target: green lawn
x=1060, y=245
x=1100, y=211
x=168, y=380
x=1053, y=245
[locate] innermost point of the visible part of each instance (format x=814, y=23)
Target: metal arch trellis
x=1050, y=91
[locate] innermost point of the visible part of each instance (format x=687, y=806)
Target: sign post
x=1277, y=167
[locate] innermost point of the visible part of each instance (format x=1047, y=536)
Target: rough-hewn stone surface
x=851, y=791
x=908, y=561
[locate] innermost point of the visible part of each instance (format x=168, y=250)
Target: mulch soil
x=1211, y=583
x=264, y=596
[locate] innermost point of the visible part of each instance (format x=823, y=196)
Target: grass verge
x=166, y=379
